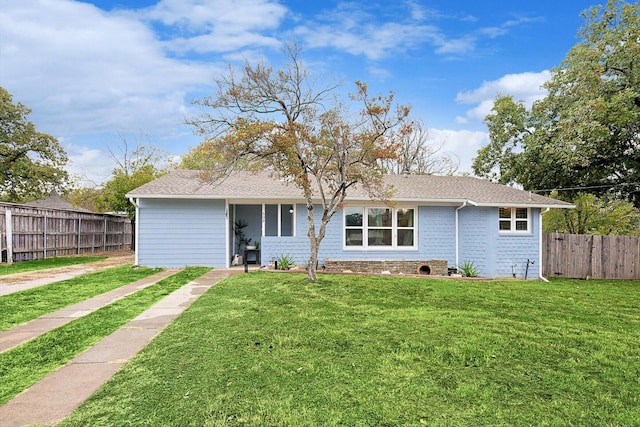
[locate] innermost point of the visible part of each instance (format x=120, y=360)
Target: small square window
x=513, y=220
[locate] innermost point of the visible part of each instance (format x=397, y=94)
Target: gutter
x=463, y=205
x=134, y=202
x=540, y=276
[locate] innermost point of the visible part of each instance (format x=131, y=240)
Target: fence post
x=104, y=235
x=44, y=237
x=79, y=226
x=9, y=235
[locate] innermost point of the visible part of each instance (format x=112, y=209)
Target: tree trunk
x=313, y=261
x=315, y=240
x=314, y=243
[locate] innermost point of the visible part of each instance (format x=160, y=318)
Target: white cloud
x=206, y=15
x=351, y=28
x=460, y=144
x=91, y=166
x=456, y=46
x=81, y=69
x=216, y=25
x=523, y=86
x=370, y=40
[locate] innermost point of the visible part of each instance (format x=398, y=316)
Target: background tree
x=142, y=165
x=277, y=120
x=419, y=154
x=85, y=198
x=593, y=215
x=585, y=133
x=202, y=157
x=31, y=162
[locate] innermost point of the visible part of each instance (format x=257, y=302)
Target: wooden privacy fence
x=580, y=256
x=33, y=233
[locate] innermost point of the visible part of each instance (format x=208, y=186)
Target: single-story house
x=439, y=220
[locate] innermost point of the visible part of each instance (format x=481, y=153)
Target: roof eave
x=526, y=205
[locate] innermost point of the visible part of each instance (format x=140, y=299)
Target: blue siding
x=477, y=238
x=436, y=234
x=178, y=233
x=515, y=249
x=437, y=227
x=495, y=253
x=479, y=241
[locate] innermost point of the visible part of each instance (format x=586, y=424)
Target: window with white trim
x=380, y=227
x=514, y=220
x=279, y=220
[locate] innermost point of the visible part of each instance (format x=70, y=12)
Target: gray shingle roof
x=55, y=201
x=414, y=188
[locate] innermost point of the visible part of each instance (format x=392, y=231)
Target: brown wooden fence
x=32, y=233
x=599, y=257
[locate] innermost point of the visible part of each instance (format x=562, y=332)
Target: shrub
x=285, y=262
x=468, y=269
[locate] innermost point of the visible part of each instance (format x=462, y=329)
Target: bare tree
x=419, y=154
x=276, y=120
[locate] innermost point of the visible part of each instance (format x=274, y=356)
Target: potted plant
x=242, y=239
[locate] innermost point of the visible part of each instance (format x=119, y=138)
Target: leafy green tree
x=31, y=162
x=276, y=120
x=594, y=215
x=584, y=135
x=143, y=165
x=85, y=198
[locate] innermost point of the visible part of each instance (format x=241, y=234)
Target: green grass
x=32, y=303
x=24, y=365
x=43, y=264
x=271, y=349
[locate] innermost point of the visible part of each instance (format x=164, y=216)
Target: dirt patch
x=114, y=259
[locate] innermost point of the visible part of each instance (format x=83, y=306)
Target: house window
x=353, y=224
x=279, y=220
x=379, y=227
x=514, y=220
x=405, y=227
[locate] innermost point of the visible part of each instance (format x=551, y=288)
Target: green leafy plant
x=238, y=230
x=468, y=269
x=285, y=262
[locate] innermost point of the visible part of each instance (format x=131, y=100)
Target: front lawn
x=272, y=349
x=30, y=304
x=22, y=366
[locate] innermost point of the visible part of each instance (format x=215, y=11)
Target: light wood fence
x=580, y=256
x=33, y=233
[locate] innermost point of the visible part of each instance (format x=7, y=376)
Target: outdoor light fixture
x=291, y=210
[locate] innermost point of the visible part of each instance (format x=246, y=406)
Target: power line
x=592, y=187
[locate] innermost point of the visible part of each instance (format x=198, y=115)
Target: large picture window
x=379, y=227
x=514, y=220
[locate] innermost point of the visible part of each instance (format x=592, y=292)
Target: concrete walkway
x=36, y=327
x=57, y=395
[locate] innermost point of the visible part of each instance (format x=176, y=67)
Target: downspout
x=544, y=279
x=134, y=202
x=457, y=231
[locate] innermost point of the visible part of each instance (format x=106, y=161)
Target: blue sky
x=94, y=72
